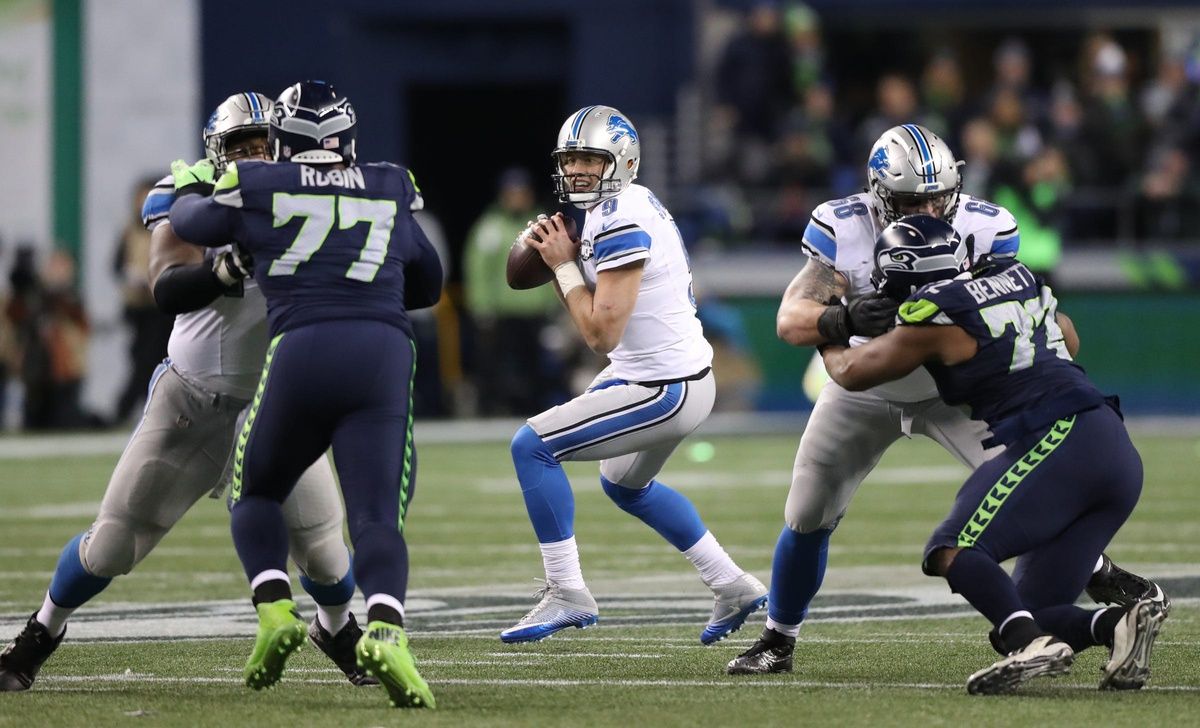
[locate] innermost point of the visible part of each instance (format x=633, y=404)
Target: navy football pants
x=342, y=383
x=1055, y=500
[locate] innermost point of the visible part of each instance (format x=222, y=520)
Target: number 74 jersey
x=329, y=243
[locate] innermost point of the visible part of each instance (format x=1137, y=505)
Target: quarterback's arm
x=805, y=300
x=602, y=316
x=895, y=354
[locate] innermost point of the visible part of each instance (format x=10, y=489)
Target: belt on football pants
x=664, y=382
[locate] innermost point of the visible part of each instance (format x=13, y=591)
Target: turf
x=883, y=645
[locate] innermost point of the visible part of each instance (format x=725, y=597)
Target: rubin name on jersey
x=351, y=178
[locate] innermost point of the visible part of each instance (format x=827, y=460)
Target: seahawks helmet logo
x=620, y=128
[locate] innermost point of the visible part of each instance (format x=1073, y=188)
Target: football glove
x=232, y=266
x=871, y=315
x=194, y=179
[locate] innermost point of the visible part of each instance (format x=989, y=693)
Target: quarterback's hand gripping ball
x=525, y=268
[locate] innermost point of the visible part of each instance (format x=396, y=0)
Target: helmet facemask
x=605, y=132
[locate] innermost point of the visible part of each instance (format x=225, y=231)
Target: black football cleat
x=340, y=649
x=21, y=660
x=772, y=652
x=1113, y=585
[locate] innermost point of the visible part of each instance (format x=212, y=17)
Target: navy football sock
x=1073, y=625
x=73, y=585
x=984, y=584
x=796, y=573
x=664, y=509
x=544, y=484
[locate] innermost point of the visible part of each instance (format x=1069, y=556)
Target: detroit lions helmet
x=914, y=251
x=312, y=124
x=241, y=114
x=910, y=165
x=604, y=131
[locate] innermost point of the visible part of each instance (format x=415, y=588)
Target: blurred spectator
x=1034, y=195
x=52, y=336
x=980, y=153
x=943, y=94
x=1017, y=138
x=1168, y=201
x=802, y=27
x=150, y=328
x=513, y=373
x=896, y=103
x=754, y=89
x=1013, y=64
x=1112, y=124
x=740, y=378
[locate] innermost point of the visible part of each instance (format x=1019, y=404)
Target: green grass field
x=884, y=645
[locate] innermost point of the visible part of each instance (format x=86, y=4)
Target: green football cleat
x=280, y=633
x=383, y=652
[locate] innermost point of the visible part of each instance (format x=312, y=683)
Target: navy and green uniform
x=1068, y=477
x=341, y=261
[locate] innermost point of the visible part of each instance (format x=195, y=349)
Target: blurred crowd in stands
x=1099, y=150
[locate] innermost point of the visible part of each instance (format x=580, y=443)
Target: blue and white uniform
x=659, y=386
x=848, y=432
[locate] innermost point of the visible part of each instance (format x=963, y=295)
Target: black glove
x=232, y=266
x=871, y=315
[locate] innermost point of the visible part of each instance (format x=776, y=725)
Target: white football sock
x=333, y=618
x=53, y=617
x=714, y=565
x=561, y=561
x=791, y=630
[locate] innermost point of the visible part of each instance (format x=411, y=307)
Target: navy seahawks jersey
x=1022, y=376
x=327, y=243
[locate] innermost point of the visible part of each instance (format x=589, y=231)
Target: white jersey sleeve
x=158, y=202
x=663, y=339
x=988, y=228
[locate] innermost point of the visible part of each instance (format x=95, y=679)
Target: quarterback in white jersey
x=628, y=289
x=910, y=170
x=180, y=448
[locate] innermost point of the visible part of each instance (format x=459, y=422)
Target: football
x=525, y=268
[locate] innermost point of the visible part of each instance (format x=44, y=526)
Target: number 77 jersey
x=1022, y=376
x=328, y=243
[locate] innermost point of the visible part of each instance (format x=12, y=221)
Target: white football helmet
x=910, y=165
x=244, y=113
x=598, y=130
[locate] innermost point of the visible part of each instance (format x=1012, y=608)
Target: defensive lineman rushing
x=341, y=261
x=633, y=302
x=1067, y=478
x=910, y=170
x=181, y=446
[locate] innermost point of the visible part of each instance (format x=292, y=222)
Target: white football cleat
x=558, y=608
x=732, y=603
x=1128, y=666
x=1046, y=655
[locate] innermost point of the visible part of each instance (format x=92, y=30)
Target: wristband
x=568, y=276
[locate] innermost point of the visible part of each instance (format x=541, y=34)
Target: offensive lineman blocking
x=181, y=445
x=910, y=170
x=633, y=302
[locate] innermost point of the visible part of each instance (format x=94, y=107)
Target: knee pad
x=110, y=548
x=320, y=553
x=527, y=444
x=625, y=498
